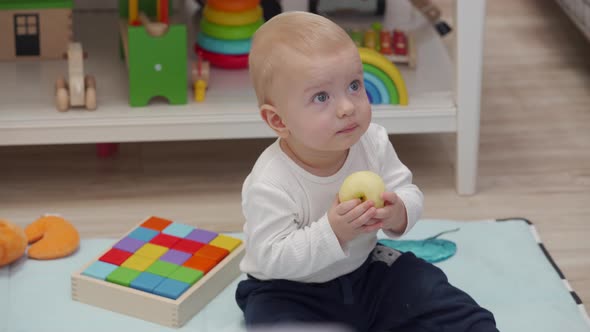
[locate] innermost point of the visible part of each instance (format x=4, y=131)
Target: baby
x=309, y=257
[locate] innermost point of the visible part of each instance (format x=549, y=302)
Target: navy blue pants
x=408, y=295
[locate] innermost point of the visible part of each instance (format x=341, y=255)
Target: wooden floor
x=534, y=154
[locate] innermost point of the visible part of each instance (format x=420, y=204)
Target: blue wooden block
x=99, y=270
x=147, y=282
x=143, y=234
x=171, y=288
x=179, y=230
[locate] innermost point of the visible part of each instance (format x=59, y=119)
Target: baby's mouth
x=348, y=129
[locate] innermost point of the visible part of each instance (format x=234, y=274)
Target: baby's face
x=322, y=100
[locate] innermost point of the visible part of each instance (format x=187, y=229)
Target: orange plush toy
x=13, y=242
x=52, y=237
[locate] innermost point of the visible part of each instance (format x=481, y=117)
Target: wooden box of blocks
x=160, y=271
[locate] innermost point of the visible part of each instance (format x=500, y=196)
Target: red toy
x=400, y=43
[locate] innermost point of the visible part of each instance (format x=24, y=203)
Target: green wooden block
x=185, y=274
x=162, y=268
x=123, y=276
x=158, y=66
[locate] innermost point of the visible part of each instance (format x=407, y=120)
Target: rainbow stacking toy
x=226, y=30
x=383, y=81
x=161, y=271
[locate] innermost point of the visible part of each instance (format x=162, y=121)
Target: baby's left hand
x=393, y=214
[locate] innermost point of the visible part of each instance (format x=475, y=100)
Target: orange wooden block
x=200, y=263
x=212, y=252
x=156, y=223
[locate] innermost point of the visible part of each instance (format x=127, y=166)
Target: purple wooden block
x=129, y=244
x=201, y=235
x=175, y=257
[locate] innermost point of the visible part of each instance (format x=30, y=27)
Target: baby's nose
x=346, y=108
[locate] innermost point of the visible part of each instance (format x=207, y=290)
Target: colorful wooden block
x=123, y=276
x=188, y=246
x=151, y=250
x=143, y=234
x=212, y=252
x=99, y=270
x=175, y=257
x=201, y=235
x=147, y=282
x=171, y=288
x=186, y=274
x=137, y=262
x=179, y=230
x=115, y=256
x=129, y=244
x=226, y=242
x=156, y=282
x=200, y=263
x=165, y=240
x=156, y=223
x=162, y=268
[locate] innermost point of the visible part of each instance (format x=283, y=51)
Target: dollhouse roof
x=35, y=4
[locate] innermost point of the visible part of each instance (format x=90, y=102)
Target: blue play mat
x=500, y=264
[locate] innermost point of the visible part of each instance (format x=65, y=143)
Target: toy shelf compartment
x=28, y=115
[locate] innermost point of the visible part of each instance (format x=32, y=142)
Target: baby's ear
x=272, y=118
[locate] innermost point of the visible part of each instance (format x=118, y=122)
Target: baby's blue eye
x=321, y=97
x=355, y=85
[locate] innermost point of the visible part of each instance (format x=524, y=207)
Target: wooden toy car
x=80, y=89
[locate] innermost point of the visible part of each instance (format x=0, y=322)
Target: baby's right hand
x=352, y=218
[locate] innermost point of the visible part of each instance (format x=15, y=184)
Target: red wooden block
x=212, y=252
x=200, y=263
x=115, y=256
x=188, y=246
x=165, y=240
x=156, y=223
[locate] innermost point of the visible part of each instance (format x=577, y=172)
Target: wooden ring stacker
x=229, y=32
x=231, y=47
x=223, y=60
x=233, y=5
x=229, y=18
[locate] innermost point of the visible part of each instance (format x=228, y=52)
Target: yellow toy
x=200, y=77
x=13, y=242
x=52, y=237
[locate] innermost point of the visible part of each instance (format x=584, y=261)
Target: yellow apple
x=365, y=185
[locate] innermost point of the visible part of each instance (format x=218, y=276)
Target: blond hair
x=302, y=33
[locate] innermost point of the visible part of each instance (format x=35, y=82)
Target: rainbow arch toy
x=383, y=81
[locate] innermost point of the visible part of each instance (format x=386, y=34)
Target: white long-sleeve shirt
x=287, y=232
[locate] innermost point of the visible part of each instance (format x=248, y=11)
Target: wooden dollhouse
x=35, y=29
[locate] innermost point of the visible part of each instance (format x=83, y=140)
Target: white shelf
x=27, y=114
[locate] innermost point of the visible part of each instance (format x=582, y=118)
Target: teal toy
x=431, y=249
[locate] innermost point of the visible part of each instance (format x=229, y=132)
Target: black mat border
x=575, y=296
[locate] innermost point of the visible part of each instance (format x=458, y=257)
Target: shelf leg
x=470, y=22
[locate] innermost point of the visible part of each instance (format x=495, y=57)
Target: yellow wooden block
x=139, y=263
x=151, y=251
x=226, y=242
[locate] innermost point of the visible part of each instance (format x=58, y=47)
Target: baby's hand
x=393, y=215
x=352, y=218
